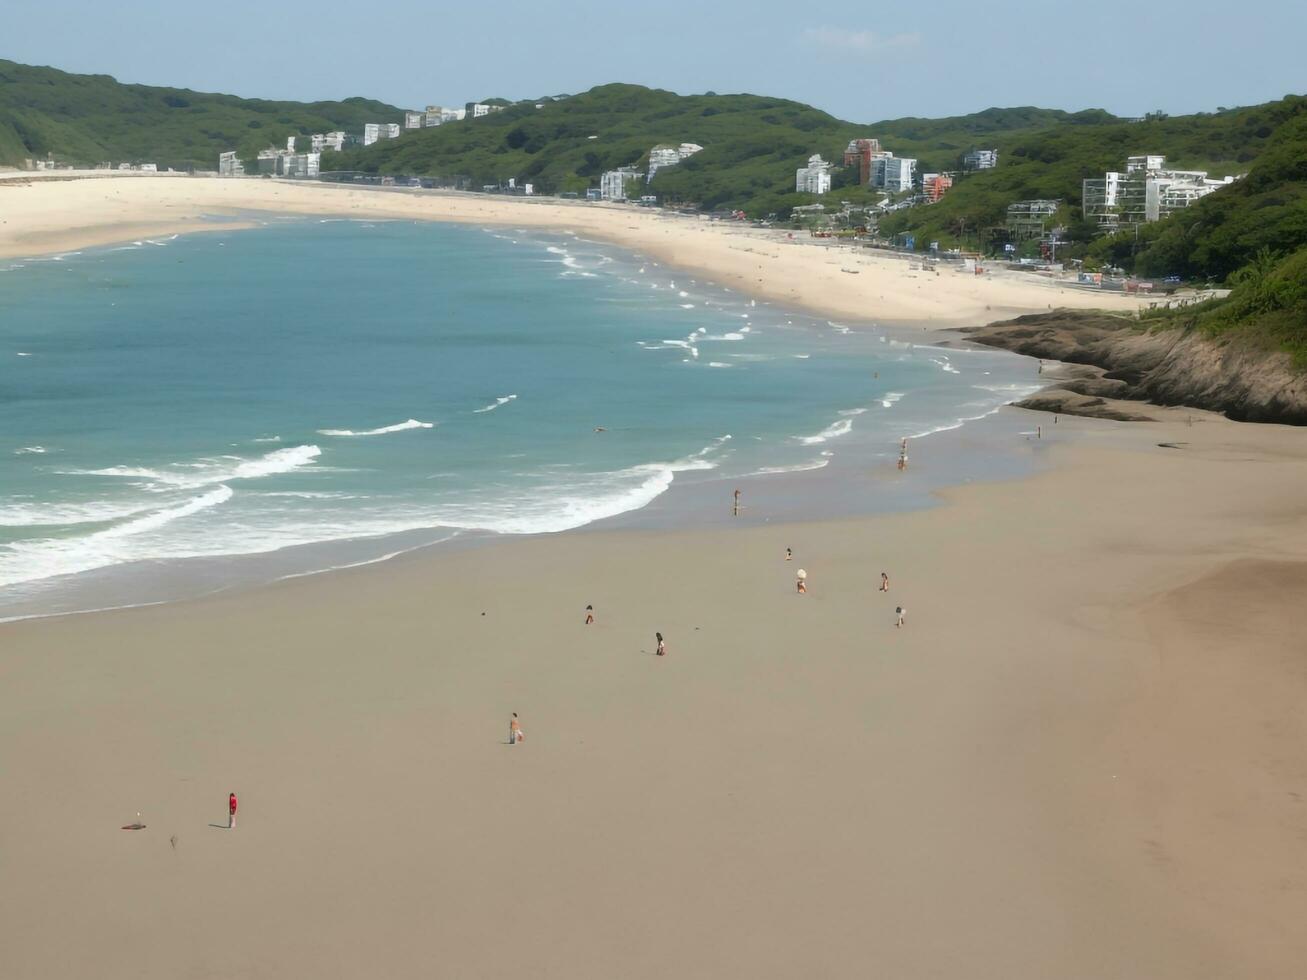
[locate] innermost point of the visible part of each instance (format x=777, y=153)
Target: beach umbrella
x=802, y=574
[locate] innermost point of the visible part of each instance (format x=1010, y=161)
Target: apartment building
x=893, y=174
x=934, y=186
x=229, y=165
x=1031, y=219
x=412, y=120
x=814, y=178
x=1147, y=191
x=980, y=160
x=864, y=153
x=614, y=184
x=669, y=155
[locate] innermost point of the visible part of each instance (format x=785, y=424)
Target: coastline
x=60, y=216
x=1043, y=774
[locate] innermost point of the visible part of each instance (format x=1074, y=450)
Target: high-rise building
x=980, y=160
x=371, y=133
x=615, y=184
x=814, y=178
x=412, y=120
x=893, y=174
x=864, y=153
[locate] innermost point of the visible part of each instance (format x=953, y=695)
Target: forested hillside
x=1053, y=163
x=86, y=119
x=752, y=144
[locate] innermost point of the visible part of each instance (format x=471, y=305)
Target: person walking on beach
x=231, y=811
x=589, y=615
x=735, y=508
x=789, y=555
x=898, y=611
x=515, y=733
x=884, y=582
x=662, y=646
x=800, y=582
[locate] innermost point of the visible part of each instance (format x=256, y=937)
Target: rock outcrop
x=1124, y=359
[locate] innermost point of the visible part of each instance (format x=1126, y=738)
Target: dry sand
x=1082, y=757
x=59, y=215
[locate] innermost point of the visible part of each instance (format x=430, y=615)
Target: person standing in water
x=662, y=647
x=231, y=811
x=589, y=615
x=515, y=733
x=884, y=582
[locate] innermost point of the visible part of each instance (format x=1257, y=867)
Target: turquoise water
x=235, y=393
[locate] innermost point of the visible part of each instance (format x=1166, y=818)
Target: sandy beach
x=44, y=217
x=1081, y=757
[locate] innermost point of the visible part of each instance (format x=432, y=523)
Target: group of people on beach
x=801, y=584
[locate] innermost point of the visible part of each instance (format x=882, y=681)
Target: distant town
x=1145, y=191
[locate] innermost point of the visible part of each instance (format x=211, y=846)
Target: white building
x=290, y=144
x=148, y=168
x=614, y=184
x=390, y=131
x=328, y=141
x=893, y=174
x=299, y=164
x=371, y=133
x=478, y=109
x=814, y=178
x=1146, y=192
x=412, y=120
x=980, y=160
x=668, y=155
x=229, y=165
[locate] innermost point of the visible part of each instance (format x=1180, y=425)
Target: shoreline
x=1028, y=784
x=801, y=274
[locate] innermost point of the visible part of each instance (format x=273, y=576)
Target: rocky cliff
x=1124, y=359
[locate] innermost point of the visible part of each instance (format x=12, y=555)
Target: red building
x=933, y=186
x=862, y=152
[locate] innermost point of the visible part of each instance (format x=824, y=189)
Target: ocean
x=180, y=403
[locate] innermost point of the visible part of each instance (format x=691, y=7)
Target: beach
x=47, y=217
x=1081, y=756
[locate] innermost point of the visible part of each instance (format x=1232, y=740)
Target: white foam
x=719, y=364
x=832, y=431
x=23, y=353
x=26, y=450
x=24, y=561
x=496, y=404
x=814, y=464
x=687, y=306
x=384, y=430
x=890, y=399
x=207, y=472
x=853, y=411
x=267, y=439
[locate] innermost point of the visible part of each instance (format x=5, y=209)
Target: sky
x=861, y=60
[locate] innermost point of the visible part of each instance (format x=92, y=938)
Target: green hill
x=752, y=144
x=1053, y=163
x=84, y=119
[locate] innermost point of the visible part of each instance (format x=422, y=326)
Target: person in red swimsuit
x=231, y=811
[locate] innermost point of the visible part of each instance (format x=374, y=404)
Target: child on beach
x=662, y=647
x=589, y=615
x=515, y=733
x=898, y=611
x=789, y=555
x=884, y=582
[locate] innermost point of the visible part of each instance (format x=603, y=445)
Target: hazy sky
x=862, y=60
